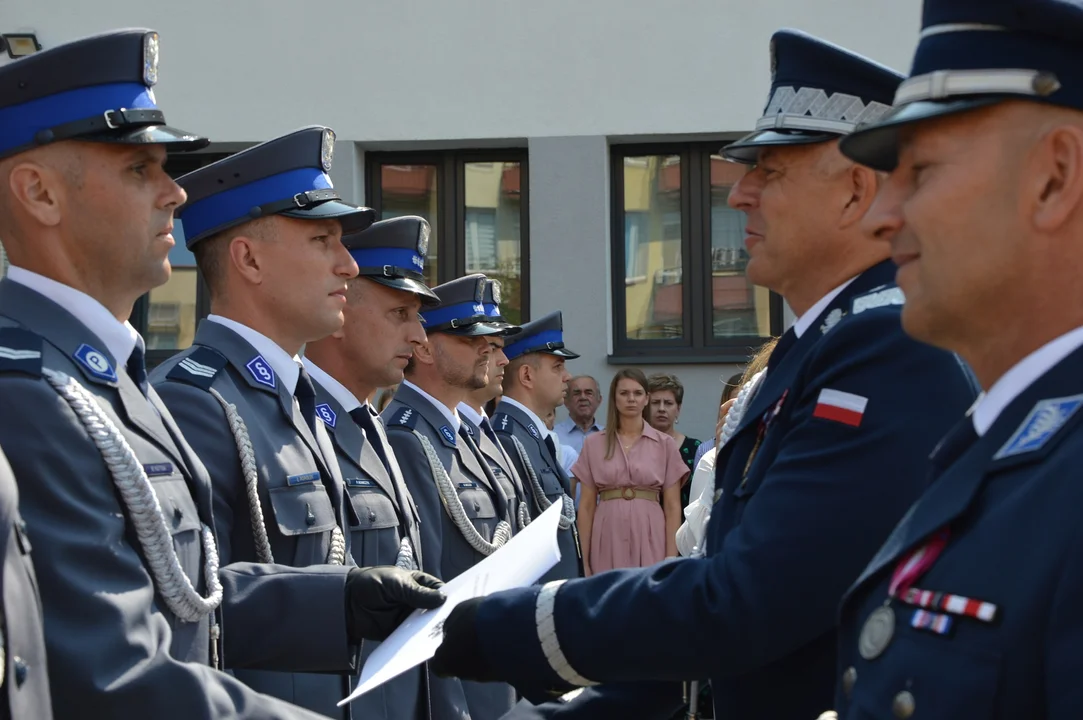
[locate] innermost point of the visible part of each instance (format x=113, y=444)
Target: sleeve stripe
x=547, y=634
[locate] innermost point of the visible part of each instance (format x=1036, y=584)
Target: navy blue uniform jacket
x=810, y=494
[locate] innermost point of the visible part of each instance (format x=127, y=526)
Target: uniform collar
x=286, y=368
x=471, y=414
x=119, y=338
x=1021, y=376
x=337, y=390
x=449, y=414
x=805, y=321
x=545, y=432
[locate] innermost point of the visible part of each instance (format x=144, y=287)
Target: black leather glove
x=378, y=599
x=460, y=654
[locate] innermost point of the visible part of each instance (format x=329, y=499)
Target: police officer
x=534, y=385
x=464, y=513
x=266, y=228
x=380, y=331
x=472, y=413
x=118, y=506
x=825, y=460
x=972, y=606
x=22, y=642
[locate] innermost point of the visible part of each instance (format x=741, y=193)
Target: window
x=680, y=247
x=476, y=203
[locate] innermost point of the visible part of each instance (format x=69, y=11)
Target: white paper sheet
x=524, y=559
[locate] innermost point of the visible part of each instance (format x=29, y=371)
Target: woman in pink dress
x=631, y=476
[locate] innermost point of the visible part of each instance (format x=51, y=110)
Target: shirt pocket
x=374, y=539
x=550, y=483
x=182, y=518
x=302, y=509
x=477, y=502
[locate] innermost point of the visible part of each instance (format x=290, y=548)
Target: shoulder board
x=20, y=351
x=502, y=423
x=883, y=296
x=405, y=417
x=198, y=367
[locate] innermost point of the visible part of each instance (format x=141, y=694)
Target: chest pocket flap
x=178, y=506
x=302, y=509
x=477, y=503
x=550, y=483
x=374, y=508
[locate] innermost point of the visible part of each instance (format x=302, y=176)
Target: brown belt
x=629, y=493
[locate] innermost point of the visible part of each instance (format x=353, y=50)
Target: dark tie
x=955, y=443
x=785, y=343
x=367, y=423
x=487, y=428
x=137, y=367
x=306, y=397
x=549, y=443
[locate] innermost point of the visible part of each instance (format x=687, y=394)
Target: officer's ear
x=37, y=186
x=244, y=247
x=1053, y=177
x=863, y=185
x=526, y=375
x=423, y=353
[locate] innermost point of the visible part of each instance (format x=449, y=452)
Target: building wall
x=564, y=78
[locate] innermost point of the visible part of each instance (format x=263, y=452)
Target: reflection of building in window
x=491, y=224
x=171, y=313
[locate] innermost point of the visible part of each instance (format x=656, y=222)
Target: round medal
x=877, y=633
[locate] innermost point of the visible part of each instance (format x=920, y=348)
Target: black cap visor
x=354, y=219
x=877, y=145
x=428, y=297
x=747, y=149
x=175, y=140
x=477, y=329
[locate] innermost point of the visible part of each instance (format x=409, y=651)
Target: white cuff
x=547, y=634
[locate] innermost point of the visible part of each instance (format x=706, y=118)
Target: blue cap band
x=534, y=342
x=466, y=312
x=402, y=258
x=492, y=310
x=226, y=208
x=20, y=123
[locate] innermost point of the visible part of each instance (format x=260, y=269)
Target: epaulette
x=20, y=351
x=407, y=418
x=199, y=367
x=502, y=423
x=882, y=296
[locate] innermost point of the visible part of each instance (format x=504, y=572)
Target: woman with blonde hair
x=624, y=472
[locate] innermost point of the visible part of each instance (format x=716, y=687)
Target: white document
x=524, y=559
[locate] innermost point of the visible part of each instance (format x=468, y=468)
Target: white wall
x=405, y=70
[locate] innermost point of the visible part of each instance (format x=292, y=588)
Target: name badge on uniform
x=325, y=413
x=158, y=469
x=303, y=479
x=95, y=363
x=359, y=482
x=261, y=372
x=466, y=485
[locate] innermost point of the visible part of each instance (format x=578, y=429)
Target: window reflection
x=739, y=308
x=411, y=190
x=171, y=313
x=493, y=244
x=653, y=277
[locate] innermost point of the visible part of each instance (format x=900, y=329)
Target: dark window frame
x=697, y=344
x=451, y=204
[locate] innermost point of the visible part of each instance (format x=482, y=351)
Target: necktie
x=549, y=443
x=487, y=428
x=955, y=443
x=787, y=341
x=365, y=421
x=306, y=397
x=137, y=367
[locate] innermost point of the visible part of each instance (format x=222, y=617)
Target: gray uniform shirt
x=117, y=649
x=300, y=494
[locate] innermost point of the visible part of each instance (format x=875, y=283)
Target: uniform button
x=477, y=507
x=372, y=516
x=903, y=705
x=178, y=514
x=848, y=679
x=21, y=668
x=310, y=518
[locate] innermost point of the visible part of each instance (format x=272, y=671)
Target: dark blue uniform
x=809, y=495
x=986, y=619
